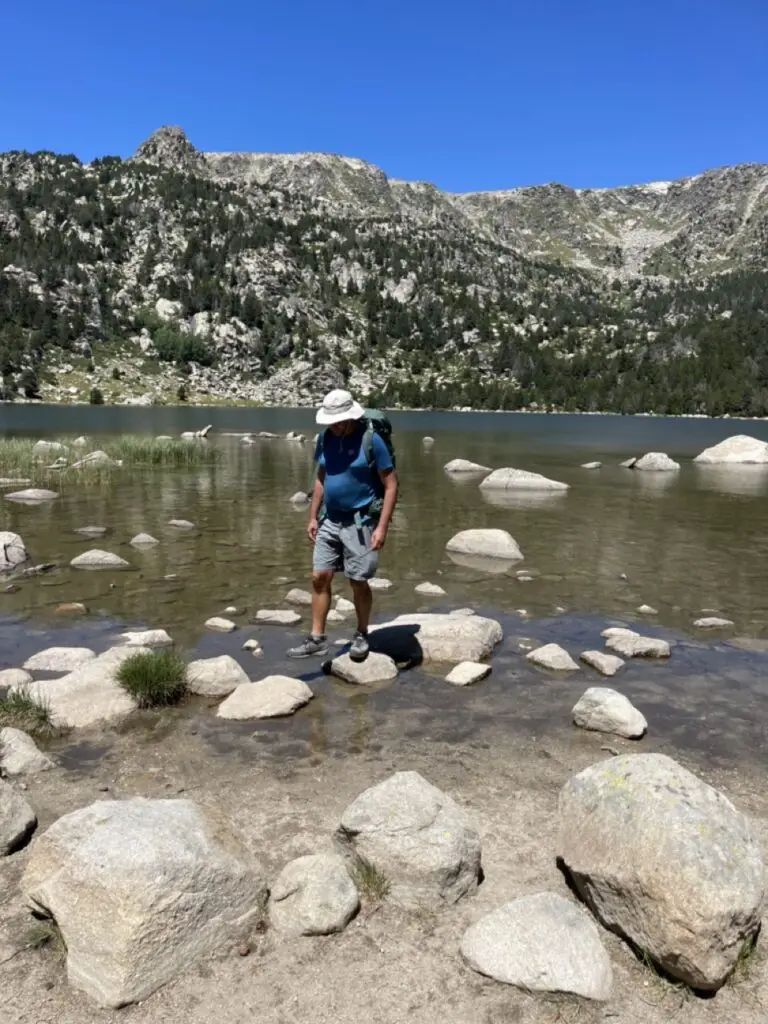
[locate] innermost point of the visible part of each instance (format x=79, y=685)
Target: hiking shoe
x=359, y=649
x=312, y=645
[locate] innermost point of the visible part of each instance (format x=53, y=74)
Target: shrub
x=154, y=678
x=20, y=710
x=96, y=397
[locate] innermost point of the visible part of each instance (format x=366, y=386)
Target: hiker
x=352, y=501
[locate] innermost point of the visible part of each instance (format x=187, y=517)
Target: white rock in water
x=738, y=450
x=59, y=659
x=482, y=543
x=713, y=622
x=666, y=861
x=300, y=498
x=344, y=607
x=17, y=820
x=657, y=462
x=591, y=465
x=313, y=895
x=270, y=697
x=97, y=559
x=253, y=646
x=153, y=638
x=91, y=531
x=97, y=458
x=181, y=524
x=429, y=589
x=377, y=668
x=618, y=631
x=427, y=441
x=220, y=625
x=379, y=583
x=277, y=617
x=297, y=596
x=646, y=609
x=215, y=677
x=603, y=710
x=468, y=672
x=456, y=466
x=541, y=943
x=144, y=540
x=462, y=611
x=607, y=664
x=19, y=754
x=142, y=889
x=638, y=646
x=628, y=463
x=334, y=616
x=437, y=638
x=14, y=678
x=45, y=449
x=32, y=496
x=552, y=656
x=508, y=479
x=12, y=550
x=417, y=837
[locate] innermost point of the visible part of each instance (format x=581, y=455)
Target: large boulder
x=313, y=895
x=215, y=677
x=12, y=550
x=19, y=754
x=656, y=462
x=508, y=479
x=666, y=861
x=418, y=838
x=459, y=466
x=59, y=659
x=141, y=889
x=735, y=451
x=17, y=819
x=541, y=943
x=482, y=543
x=270, y=697
x=604, y=710
x=436, y=638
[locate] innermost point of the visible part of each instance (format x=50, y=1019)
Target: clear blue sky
x=472, y=95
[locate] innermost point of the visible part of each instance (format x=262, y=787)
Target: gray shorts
x=345, y=548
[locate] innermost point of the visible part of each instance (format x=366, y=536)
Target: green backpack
x=376, y=422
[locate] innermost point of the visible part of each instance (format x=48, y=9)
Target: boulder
x=377, y=668
x=606, y=664
x=656, y=462
x=456, y=466
x=429, y=590
x=636, y=646
x=59, y=659
x=277, y=617
x=297, y=596
x=96, y=559
x=437, y=638
x=143, y=540
x=220, y=625
x=603, y=710
x=416, y=836
x=46, y=449
x=141, y=889
x=483, y=543
x=12, y=550
x=215, y=677
x=713, y=622
x=468, y=672
x=591, y=465
x=666, y=861
x=153, y=638
x=19, y=754
x=552, y=656
x=735, y=451
x=313, y=895
x=541, y=943
x=508, y=479
x=88, y=695
x=32, y=496
x=17, y=820
x=270, y=697
x=14, y=678
x=181, y=524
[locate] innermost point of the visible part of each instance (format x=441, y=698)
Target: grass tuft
x=46, y=934
x=371, y=883
x=154, y=678
x=20, y=710
x=148, y=451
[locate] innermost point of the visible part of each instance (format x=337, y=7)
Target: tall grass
x=154, y=678
x=20, y=710
x=148, y=451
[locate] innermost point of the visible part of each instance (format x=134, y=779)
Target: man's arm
x=388, y=479
x=314, y=505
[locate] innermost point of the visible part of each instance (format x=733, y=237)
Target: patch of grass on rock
x=20, y=710
x=372, y=884
x=154, y=678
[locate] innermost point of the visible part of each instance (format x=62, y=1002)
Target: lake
x=617, y=539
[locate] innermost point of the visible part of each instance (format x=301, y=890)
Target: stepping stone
x=277, y=617
x=153, y=638
x=468, y=672
x=96, y=559
x=220, y=625
x=59, y=659
x=607, y=664
x=271, y=697
x=638, y=646
x=554, y=657
x=215, y=677
x=603, y=710
x=377, y=668
x=379, y=583
x=344, y=607
x=297, y=596
x=430, y=589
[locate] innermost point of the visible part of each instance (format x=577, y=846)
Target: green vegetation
x=371, y=883
x=148, y=451
x=96, y=397
x=154, y=678
x=20, y=710
x=46, y=934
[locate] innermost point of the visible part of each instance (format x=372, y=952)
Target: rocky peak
x=169, y=147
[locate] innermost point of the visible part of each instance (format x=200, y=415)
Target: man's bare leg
x=362, y=595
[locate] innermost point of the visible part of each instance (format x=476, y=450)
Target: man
x=359, y=497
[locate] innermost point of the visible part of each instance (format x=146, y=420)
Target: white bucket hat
x=339, y=405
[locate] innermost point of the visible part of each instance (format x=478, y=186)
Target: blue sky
x=487, y=94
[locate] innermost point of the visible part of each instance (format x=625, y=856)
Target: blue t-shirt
x=349, y=482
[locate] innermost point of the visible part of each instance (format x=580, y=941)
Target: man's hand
x=312, y=530
x=378, y=537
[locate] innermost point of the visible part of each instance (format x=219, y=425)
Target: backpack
x=376, y=422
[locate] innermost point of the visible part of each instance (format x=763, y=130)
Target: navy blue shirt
x=349, y=482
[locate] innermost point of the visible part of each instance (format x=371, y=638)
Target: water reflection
x=747, y=480
x=524, y=499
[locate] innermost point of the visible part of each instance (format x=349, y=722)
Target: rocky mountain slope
x=272, y=277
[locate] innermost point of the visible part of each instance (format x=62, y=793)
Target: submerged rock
x=181, y=524
x=468, y=672
x=591, y=465
x=298, y=596
x=713, y=622
x=379, y=583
